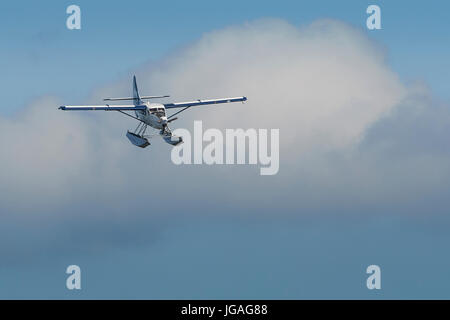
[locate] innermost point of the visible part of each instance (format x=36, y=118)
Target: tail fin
x=136, y=99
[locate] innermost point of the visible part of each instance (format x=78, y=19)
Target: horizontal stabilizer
x=131, y=98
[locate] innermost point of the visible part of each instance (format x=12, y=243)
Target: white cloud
x=325, y=86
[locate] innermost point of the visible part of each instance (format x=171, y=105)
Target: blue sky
x=219, y=244
x=37, y=42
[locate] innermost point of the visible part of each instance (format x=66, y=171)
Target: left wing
x=203, y=102
x=104, y=108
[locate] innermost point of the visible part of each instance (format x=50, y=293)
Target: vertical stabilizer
x=136, y=99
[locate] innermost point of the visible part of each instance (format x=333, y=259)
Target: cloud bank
x=353, y=140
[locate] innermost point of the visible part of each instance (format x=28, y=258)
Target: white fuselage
x=154, y=115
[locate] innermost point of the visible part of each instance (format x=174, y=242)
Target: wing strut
x=178, y=112
x=131, y=116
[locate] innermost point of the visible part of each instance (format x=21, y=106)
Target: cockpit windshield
x=159, y=112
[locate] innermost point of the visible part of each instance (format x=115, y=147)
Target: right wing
x=104, y=108
x=203, y=102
